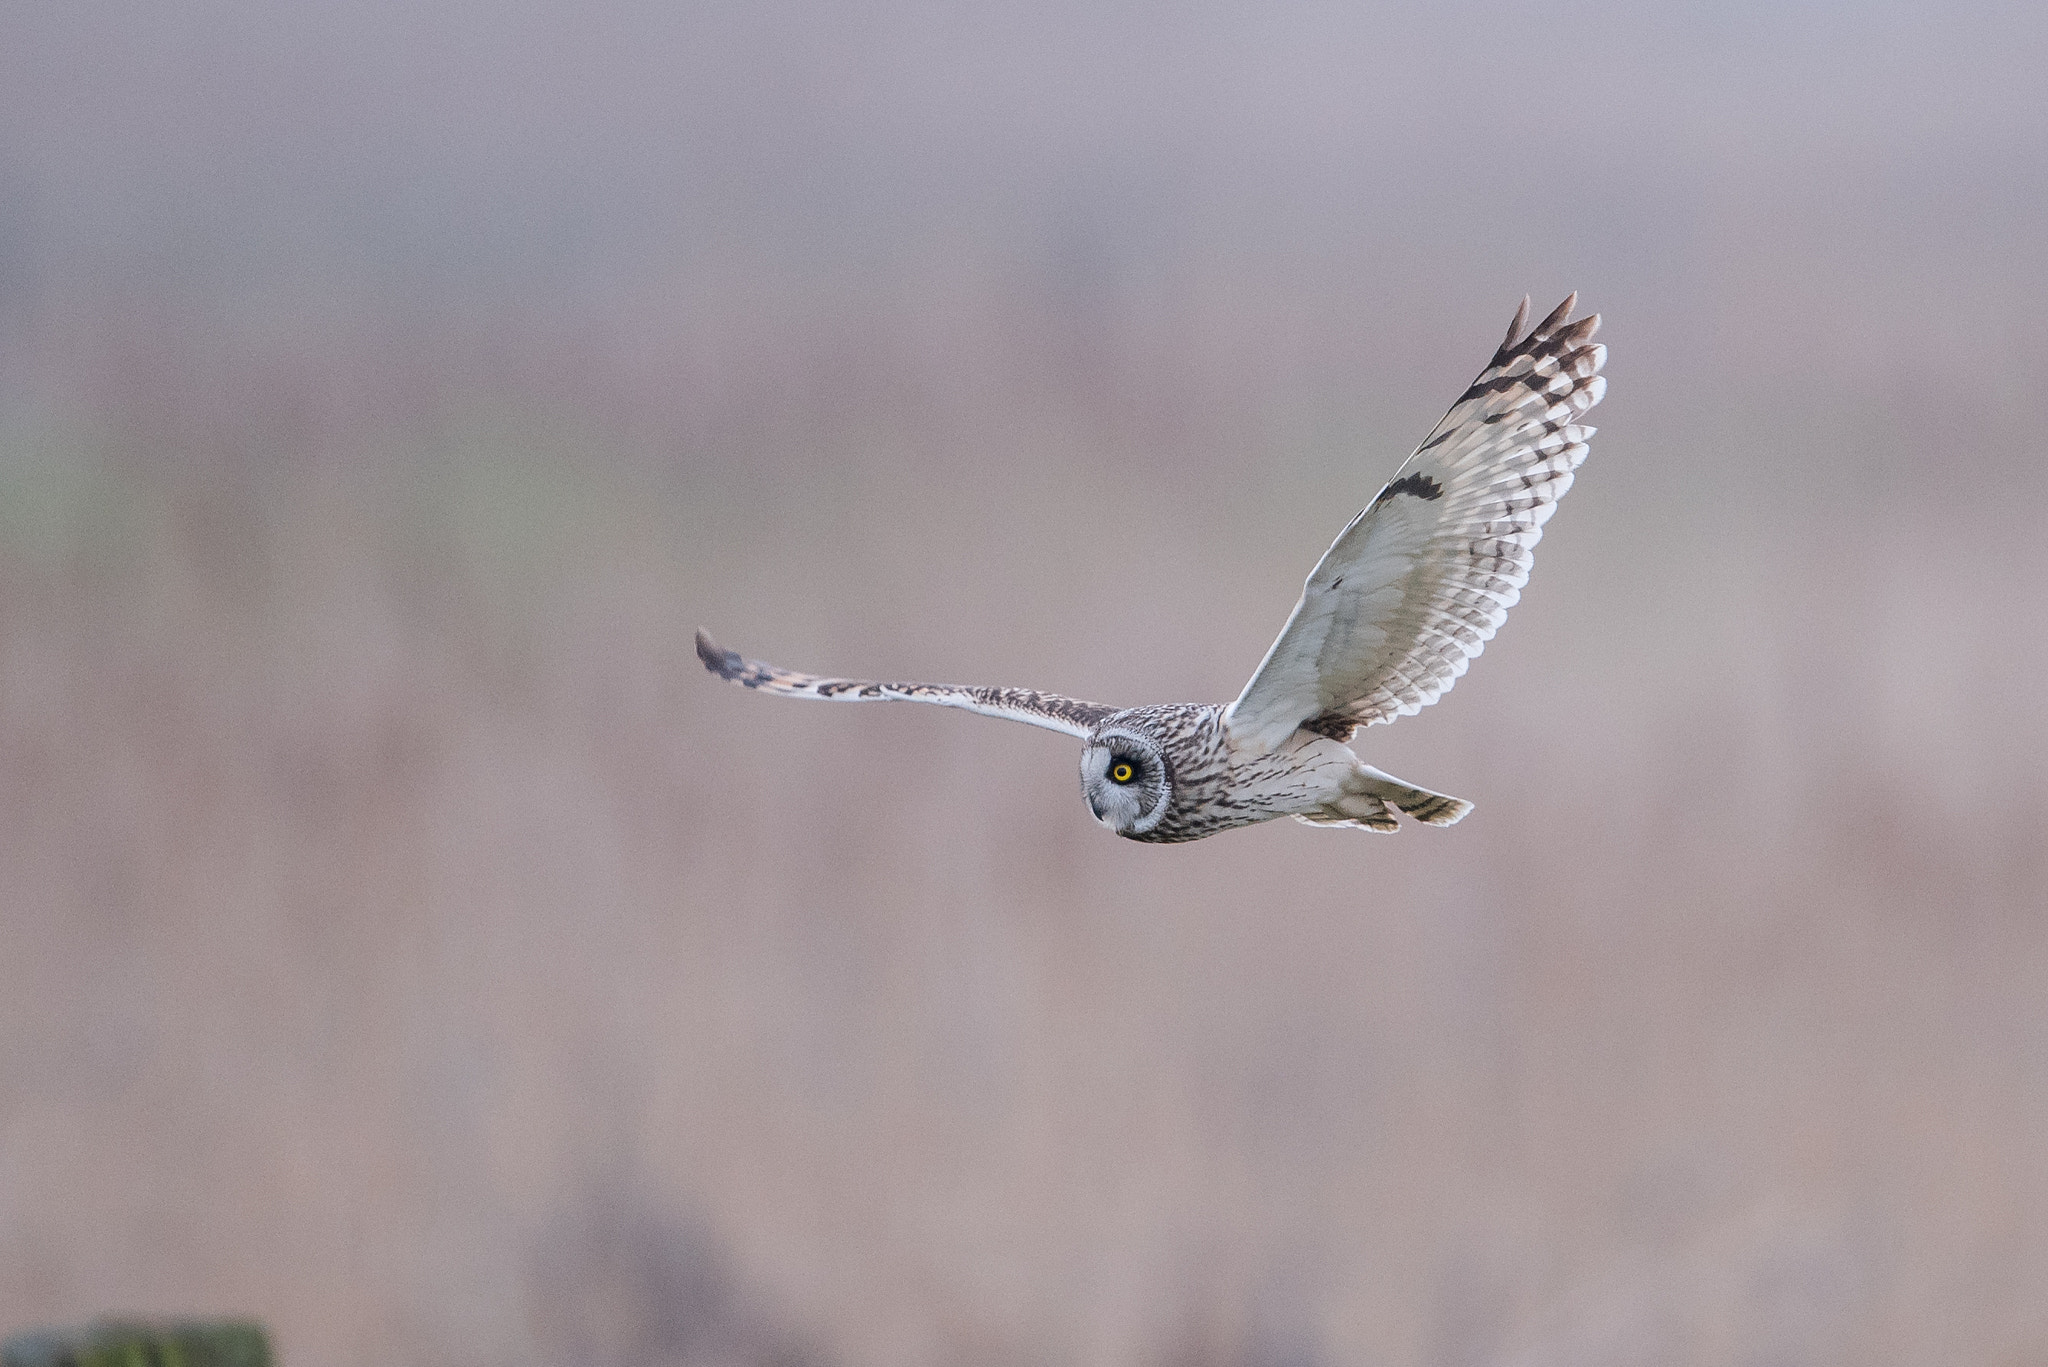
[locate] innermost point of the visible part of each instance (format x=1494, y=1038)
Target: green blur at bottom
x=125, y=1343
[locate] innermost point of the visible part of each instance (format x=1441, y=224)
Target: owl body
x=1402, y=602
x=1191, y=778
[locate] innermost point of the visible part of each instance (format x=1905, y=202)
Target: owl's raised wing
x=1418, y=583
x=1048, y=710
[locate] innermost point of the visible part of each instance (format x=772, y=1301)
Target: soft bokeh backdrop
x=403, y=940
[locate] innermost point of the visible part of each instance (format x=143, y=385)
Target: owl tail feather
x=1432, y=809
x=1355, y=811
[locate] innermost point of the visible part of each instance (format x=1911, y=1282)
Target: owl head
x=1126, y=779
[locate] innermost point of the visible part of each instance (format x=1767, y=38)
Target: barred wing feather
x=1048, y=710
x=1416, y=586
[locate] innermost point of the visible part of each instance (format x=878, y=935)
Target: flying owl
x=1400, y=604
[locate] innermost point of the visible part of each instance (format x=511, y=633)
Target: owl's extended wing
x=1418, y=583
x=1048, y=710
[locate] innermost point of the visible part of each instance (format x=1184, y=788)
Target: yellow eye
x=1121, y=772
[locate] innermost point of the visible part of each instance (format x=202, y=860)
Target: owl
x=1408, y=594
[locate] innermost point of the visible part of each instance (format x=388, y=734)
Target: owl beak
x=1096, y=808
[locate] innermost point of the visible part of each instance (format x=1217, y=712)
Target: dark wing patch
x=1334, y=725
x=1418, y=484
x=1048, y=710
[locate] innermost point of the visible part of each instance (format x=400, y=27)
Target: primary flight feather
x=1402, y=602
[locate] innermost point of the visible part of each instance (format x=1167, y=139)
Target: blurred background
x=404, y=941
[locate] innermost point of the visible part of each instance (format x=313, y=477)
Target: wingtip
x=723, y=663
x=1558, y=315
x=1515, y=327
